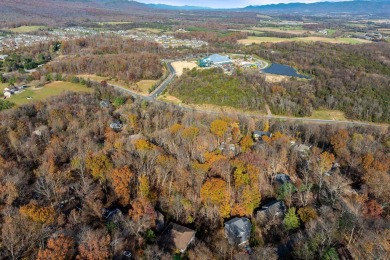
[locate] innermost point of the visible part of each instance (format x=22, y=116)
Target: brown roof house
x=176, y=237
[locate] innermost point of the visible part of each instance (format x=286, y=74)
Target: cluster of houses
x=167, y=41
x=8, y=92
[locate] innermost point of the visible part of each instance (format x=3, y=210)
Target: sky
x=226, y=3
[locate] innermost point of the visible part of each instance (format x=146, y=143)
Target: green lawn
x=49, y=90
x=25, y=29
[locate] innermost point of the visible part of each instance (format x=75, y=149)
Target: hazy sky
x=226, y=3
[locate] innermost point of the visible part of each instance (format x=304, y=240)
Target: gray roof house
x=275, y=208
x=238, y=231
x=282, y=178
x=304, y=150
x=116, y=125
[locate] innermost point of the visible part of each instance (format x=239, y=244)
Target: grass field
x=328, y=114
x=25, y=29
x=258, y=40
x=52, y=89
x=288, y=30
x=145, y=85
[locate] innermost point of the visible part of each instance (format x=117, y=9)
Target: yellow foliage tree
x=142, y=145
x=214, y=191
x=190, y=133
x=246, y=143
x=218, y=127
x=98, y=165
x=43, y=215
x=251, y=199
x=144, y=187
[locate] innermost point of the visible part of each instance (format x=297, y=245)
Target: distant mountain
x=173, y=7
x=357, y=6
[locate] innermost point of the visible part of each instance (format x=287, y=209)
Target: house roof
x=216, y=58
x=282, y=178
x=261, y=133
x=302, y=148
x=238, y=230
x=177, y=236
x=275, y=207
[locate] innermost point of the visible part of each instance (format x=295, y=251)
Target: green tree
x=330, y=254
x=291, y=220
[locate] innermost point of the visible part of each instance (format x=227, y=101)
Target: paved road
x=172, y=74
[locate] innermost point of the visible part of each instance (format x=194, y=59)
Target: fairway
x=52, y=89
x=258, y=40
x=25, y=29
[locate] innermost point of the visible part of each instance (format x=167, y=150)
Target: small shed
x=238, y=231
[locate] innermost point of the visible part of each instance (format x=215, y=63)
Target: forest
x=62, y=168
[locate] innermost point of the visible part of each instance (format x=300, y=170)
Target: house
x=214, y=59
x=7, y=94
x=176, y=237
x=302, y=149
x=159, y=221
x=238, y=231
x=104, y=104
x=257, y=134
x=275, y=208
x=3, y=57
x=282, y=178
x=116, y=125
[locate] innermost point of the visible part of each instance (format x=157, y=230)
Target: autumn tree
x=219, y=128
x=246, y=143
x=251, y=199
x=98, y=165
x=120, y=179
x=94, y=244
x=44, y=215
x=58, y=248
x=307, y=213
x=214, y=191
x=372, y=209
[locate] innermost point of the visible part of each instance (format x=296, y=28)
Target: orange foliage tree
x=120, y=179
x=59, y=248
x=246, y=143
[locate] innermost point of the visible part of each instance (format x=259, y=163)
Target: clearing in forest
x=49, y=90
x=180, y=66
x=26, y=29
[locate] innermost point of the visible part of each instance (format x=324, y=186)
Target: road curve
x=172, y=74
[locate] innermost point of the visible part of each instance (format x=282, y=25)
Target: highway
x=172, y=74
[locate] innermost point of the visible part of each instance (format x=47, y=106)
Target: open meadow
x=26, y=29
x=52, y=89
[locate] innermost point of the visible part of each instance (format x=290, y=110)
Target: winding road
x=172, y=74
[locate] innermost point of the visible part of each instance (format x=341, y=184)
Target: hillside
x=357, y=7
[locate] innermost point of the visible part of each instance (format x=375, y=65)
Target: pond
x=284, y=70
